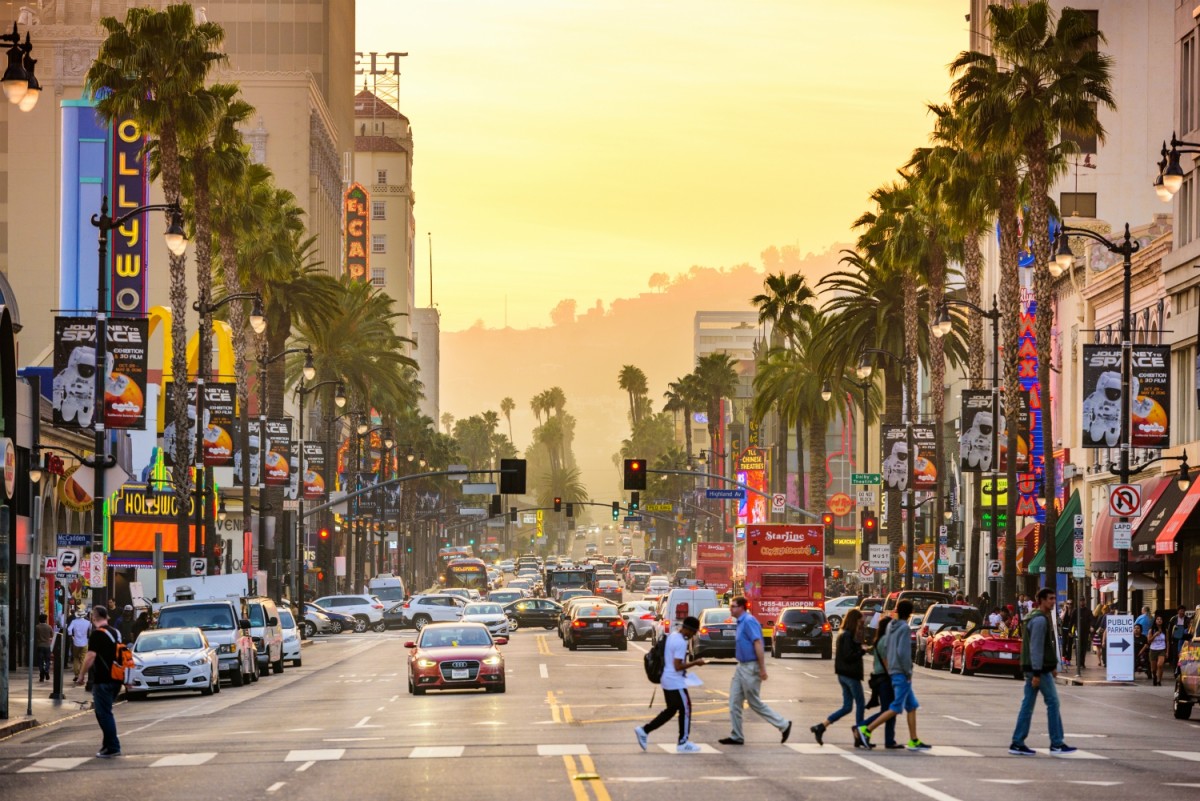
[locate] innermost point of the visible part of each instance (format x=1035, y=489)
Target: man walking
x=674, y=687
x=101, y=653
x=79, y=630
x=897, y=656
x=1040, y=664
x=44, y=641
x=749, y=675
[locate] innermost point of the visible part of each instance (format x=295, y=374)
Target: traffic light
x=827, y=521
x=497, y=507
x=616, y=510
x=635, y=474
x=635, y=501
x=323, y=534
x=471, y=541
x=320, y=573
x=512, y=476
x=558, y=504
x=869, y=529
x=570, y=510
x=512, y=514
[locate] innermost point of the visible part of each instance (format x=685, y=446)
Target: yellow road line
x=543, y=646
x=576, y=786
x=597, y=785
x=550, y=699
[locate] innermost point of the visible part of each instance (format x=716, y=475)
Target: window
x=381, y=176
x=1086, y=144
x=378, y=278
x=379, y=243
x=1187, y=210
x=1077, y=204
x=1187, y=81
x=378, y=210
x=1183, y=416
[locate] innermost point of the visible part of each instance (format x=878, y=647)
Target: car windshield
x=953, y=616
x=167, y=641
x=716, y=617
x=638, y=606
x=483, y=609
x=256, y=615
x=286, y=620
x=206, y=617
x=607, y=585
x=639, y=568
x=454, y=637
x=503, y=597
x=388, y=593
x=596, y=611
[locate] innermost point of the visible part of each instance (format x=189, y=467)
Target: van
x=683, y=602
x=219, y=619
x=387, y=588
x=265, y=632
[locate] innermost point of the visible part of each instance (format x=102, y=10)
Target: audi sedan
x=173, y=659
x=455, y=656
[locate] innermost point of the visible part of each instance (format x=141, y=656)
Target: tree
x=507, y=405
x=683, y=395
x=716, y=379
x=782, y=304
x=447, y=422
x=633, y=381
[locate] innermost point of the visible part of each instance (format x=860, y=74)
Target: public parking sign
x=1119, y=647
x=995, y=568
x=68, y=560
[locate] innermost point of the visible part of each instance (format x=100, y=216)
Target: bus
x=777, y=566
x=470, y=574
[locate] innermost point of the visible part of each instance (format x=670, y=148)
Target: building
x=427, y=350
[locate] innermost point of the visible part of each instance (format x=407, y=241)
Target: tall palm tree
x=507, y=406
x=447, y=422
x=683, y=395
x=782, y=305
x=633, y=381
x=716, y=380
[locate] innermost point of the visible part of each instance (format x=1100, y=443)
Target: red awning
x=1165, y=543
x=1103, y=553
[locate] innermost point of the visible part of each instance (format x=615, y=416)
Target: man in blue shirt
x=1144, y=620
x=749, y=675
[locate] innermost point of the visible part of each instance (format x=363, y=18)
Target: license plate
x=802, y=643
x=1004, y=655
x=166, y=680
x=597, y=625
x=460, y=674
x=731, y=632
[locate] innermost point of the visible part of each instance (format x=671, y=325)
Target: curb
x=307, y=642
x=11, y=727
x=1071, y=681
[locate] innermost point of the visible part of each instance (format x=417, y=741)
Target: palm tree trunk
x=278, y=330
x=801, y=474
x=937, y=379
x=237, y=322
x=687, y=430
x=818, y=478
x=781, y=448
x=893, y=391
x=972, y=275
x=204, y=363
x=1010, y=301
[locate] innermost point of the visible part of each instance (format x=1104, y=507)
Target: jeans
x=1049, y=693
x=886, y=696
x=745, y=687
x=678, y=702
x=43, y=661
x=104, y=694
x=852, y=697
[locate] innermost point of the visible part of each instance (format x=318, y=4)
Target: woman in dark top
x=848, y=665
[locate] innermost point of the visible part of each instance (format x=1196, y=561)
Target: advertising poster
x=277, y=448
x=897, y=467
x=751, y=470
x=74, y=385
x=315, y=487
x=1150, y=390
x=978, y=426
x=924, y=475
x=254, y=456
x=1101, y=396
x=1151, y=396
x=1023, y=434
x=220, y=402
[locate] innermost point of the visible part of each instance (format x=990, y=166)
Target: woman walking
x=1156, y=644
x=881, y=685
x=848, y=665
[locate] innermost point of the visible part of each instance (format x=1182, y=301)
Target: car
x=266, y=633
x=591, y=549
x=393, y=618
x=533, y=612
x=315, y=621
x=939, y=647
x=387, y=587
x=627, y=551
x=173, y=659
x=836, y=609
x=505, y=596
x=637, y=576
x=595, y=624
x=1187, y=679
x=609, y=540
x=458, y=592
x=568, y=609
x=921, y=600
x=609, y=589
x=657, y=586
x=580, y=535
x=717, y=636
x=802, y=630
x=871, y=608
x=639, y=619
x=338, y=622
x=507, y=566
x=455, y=656
x=938, y=618
x=679, y=579
x=291, y=638
x=987, y=650
x=367, y=610
x=421, y=610
x=490, y=615
x=680, y=603
x=223, y=628
x=573, y=592
x=626, y=540
x=618, y=565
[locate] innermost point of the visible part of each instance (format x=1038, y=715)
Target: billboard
x=357, y=207
x=220, y=411
x=785, y=543
x=924, y=462
x=315, y=482
x=896, y=465
x=979, y=422
x=751, y=470
x=254, y=428
x=1150, y=387
x=74, y=383
x=277, y=447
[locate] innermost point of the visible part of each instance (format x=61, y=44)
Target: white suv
x=440, y=608
x=366, y=609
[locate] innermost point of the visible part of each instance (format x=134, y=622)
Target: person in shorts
x=897, y=656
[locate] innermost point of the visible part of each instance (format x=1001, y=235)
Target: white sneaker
x=642, y=737
x=687, y=748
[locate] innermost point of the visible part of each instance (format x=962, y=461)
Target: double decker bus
x=470, y=574
x=778, y=566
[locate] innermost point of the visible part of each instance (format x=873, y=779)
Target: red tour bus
x=778, y=566
x=713, y=563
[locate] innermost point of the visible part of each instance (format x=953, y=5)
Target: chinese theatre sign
x=358, y=233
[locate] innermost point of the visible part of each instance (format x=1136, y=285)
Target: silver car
x=491, y=615
x=173, y=659
x=639, y=619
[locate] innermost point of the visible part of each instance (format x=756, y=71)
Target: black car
x=869, y=608
x=595, y=624
x=610, y=589
x=717, y=636
x=534, y=612
x=393, y=617
x=338, y=622
x=802, y=630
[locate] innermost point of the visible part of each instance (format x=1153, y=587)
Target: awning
x=1164, y=543
x=1025, y=547
x=1064, y=539
x=1103, y=555
x=1151, y=524
x=1136, y=582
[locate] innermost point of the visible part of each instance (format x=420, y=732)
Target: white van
x=680, y=603
x=388, y=588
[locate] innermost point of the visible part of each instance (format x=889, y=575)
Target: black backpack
x=655, y=660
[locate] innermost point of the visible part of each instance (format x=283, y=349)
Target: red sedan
x=939, y=647
x=455, y=656
x=987, y=650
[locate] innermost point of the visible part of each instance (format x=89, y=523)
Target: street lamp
x=339, y=398
x=20, y=85
x=940, y=328
x=1126, y=248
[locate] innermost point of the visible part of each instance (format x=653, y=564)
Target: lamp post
x=177, y=243
x=339, y=400
x=332, y=452
x=864, y=387
x=941, y=327
x=864, y=370
x=364, y=432
x=20, y=85
x=1063, y=260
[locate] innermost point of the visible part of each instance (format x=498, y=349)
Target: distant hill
x=583, y=349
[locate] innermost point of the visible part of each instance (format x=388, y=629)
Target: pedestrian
x=748, y=676
x=1156, y=646
x=97, y=665
x=1066, y=628
x=1144, y=620
x=43, y=636
x=79, y=631
x=1040, y=666
x=995, y=618
x=1083, y=633
x=848, y=665
x=1099, y=629
x=897, y=657
x=1141, y=652
x=674, y=687
x=1179, y=633
x=881, y=688
x=142, y=623
x=125, y=624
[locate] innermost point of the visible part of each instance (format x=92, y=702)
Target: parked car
x=872, y=610
x=173, y=659
x=421, y=610
x=315, y=621
x=367, y=610
x=291, y=638
x=836, y=609
x=717, y=635
x=393, y=618
x=939, y=648
x=802, y=630
x=1187, y=679
x=938, y=618
x=455, y=656
x=639, y=619
x=987, y=650
x=533, y=613
x=266, y=633
x=338, y=621
x=223, y=627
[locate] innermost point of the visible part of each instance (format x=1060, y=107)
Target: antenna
x=429, y=235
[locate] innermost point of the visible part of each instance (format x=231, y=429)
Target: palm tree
x=633, y=381
x=447, y=422
x=716, y=380
x=507, y=406
x=782, y=305
x=556, y=400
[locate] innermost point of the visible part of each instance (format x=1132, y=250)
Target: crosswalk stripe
x=1007, y=781
x=315, y=755
x=1190, y=756
x=812, y=749
x=54, y=763
x=436, y=752
x=949, y=751
x=183, y=760
x=557, y=749
x=1078, y=755
x=1094, y=783
x=705, y=748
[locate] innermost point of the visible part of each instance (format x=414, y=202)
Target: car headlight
x=198, y=662
x=426, y=663
x=492, y=660
x=228, y=648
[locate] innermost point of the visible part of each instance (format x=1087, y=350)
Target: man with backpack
x=670, y=662
x=104, y=666
x=1039, y=662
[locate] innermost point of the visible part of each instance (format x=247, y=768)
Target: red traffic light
x=827, y=519
x=324, y=534
x=869, y=523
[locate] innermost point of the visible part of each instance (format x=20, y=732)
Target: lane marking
x=1094, y=783
x=964, y=720
x=436, y=752
x=315, y=755
x=1077, y=755
x=305, y=767
x=949, y=751
x=576, y=786
x=362, y=724
x=1180, y=784
x=1086, y=736
x=183, y=760
x=641, y=648
x=596, y=784
x=1190, y=756
x=812, y=749
x=810, y=675
x=349, y=739
x=41, y=751
x=642, y=779
x=275, y=786
x=545, y=674
x=54, y=763
x=380, y=709
x=729, y=778
x=916, y=785
x=562, y=749
x=393, y=698
x=1008, y=781
x=305, y=729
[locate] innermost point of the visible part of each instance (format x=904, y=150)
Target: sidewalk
x=1095, y=675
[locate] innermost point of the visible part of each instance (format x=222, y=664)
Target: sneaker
x=642, y=737
x=894, y=746
x=731, y=741
x=818, y=731
x=1021, y=750
x=1062, y=748
x=104, y=753
x=858, y=740
x=786, y=732
x=865, y=734
x=687, y=748
x=918, y=745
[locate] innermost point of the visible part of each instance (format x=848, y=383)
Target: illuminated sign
x=358, y=233
x=127, y=279
x=1027, y=369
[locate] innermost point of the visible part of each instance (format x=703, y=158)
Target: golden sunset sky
x=572, y=148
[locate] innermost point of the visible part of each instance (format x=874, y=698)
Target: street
x=344, y=725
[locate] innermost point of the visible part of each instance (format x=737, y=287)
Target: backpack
x=655, y=660
x=123, y=659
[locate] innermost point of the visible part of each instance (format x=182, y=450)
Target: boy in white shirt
x=674, y=685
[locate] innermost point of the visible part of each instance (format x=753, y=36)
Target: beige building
x=427, y=350
x=292, y=59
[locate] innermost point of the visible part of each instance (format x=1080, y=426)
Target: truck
x=780, y=565
x=712, y=564
x=555, y=580
x=233, y=586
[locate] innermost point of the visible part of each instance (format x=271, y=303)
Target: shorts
x=906, y=700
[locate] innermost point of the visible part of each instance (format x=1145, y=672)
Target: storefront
x=1178, y=543
x=1145, y=567
x=1064, y=543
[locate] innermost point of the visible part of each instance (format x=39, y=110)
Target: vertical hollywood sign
x=358, y=233
x=128, y=174
x=1027, y=371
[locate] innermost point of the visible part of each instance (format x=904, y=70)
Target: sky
x=573, y=148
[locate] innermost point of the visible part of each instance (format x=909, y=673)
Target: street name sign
x=725, y=494
x=865, y=478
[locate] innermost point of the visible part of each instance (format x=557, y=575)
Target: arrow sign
x=725, y=494
x=1122, y=644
